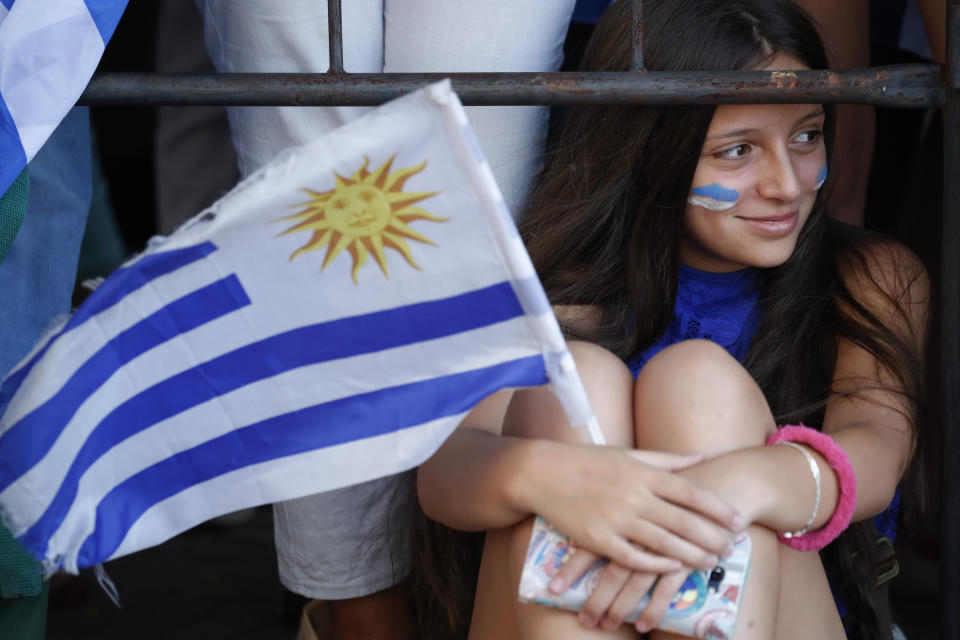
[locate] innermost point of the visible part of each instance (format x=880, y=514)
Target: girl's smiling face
x=755, y=184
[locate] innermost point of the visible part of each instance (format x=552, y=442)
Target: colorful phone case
x=704, y=607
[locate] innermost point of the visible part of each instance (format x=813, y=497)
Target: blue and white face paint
x=714, y=197
x=821, y=178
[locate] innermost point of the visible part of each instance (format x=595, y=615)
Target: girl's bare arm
x=868, y=415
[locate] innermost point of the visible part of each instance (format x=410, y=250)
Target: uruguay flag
x=48, y=51
x=329, y=321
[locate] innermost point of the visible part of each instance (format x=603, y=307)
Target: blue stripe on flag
x=299, y=347
x=121, y=282
x=33, y=436
x=106, y=14
x=324, y=425
x=126, y=280
x=12, y=156
x=7, y=3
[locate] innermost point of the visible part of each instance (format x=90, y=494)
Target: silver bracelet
x=815, y=470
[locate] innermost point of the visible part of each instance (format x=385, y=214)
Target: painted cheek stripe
x=713, y=197
x=821, y=177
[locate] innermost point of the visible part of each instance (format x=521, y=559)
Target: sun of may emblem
x=363, y=214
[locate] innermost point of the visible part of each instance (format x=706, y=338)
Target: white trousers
x=391, y=36
x=356, y=541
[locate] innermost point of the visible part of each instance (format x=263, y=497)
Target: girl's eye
x=809, y=137
x=733, y=152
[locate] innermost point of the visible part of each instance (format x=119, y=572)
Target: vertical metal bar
x=950, y=338
x=637, y=9
x=335, y=35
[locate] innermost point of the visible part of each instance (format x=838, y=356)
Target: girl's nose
x=780, y=180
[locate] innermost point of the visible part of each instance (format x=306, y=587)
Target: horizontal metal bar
x=892, y=86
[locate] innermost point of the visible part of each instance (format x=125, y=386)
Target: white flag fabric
x=49, y=49
x=329, y=321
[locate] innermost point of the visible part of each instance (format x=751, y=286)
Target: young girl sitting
x=691, y=244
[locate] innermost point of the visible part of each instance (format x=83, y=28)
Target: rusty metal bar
x=915, y=85
x=950, y=338
x=637, y=35
x=335, y=35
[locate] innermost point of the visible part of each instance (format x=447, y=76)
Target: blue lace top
x=721, y=307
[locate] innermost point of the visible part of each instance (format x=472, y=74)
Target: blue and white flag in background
x=49, y=49
x=329, y=321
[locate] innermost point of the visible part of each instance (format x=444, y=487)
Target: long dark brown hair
x=605, y=223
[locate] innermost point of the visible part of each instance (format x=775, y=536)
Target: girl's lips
x=774, y=226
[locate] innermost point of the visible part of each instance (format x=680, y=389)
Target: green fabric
x=13, y=205
x=23, y=595
x=25, y=618
x=20, y=574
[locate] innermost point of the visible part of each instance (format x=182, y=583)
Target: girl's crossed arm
x=602, y=497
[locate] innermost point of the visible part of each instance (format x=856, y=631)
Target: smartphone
x=704, y=607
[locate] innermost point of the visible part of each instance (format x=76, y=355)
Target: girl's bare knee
x=694, y=396
x=701, y=359
x=536, y=413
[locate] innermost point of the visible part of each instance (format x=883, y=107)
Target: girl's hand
x=663, y=594
x=630, y=507
x=619, y=591
x=616, y=595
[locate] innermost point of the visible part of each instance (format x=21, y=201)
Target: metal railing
x=909, y=86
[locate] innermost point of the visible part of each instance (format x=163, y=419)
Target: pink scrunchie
x=838, y=460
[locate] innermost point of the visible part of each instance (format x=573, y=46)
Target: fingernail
x=609, y=624
x=642, y=626
x=587, y=621
x=711, y=562
x=675, y=565
x=556, y=585
x=739, y=524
